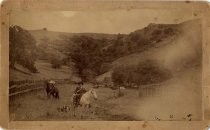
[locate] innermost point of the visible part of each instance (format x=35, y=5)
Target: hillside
x=52, y=35
x=45, y=72
x=116, y=45
x=181, y=54
x=178, y=48
x=172, y=45
x=175, y=52
x=58, y=43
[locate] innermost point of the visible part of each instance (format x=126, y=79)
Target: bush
x=88, y=75
x=147, y=72
x=45, y=29
x=27, y=62
x=168, y=31
x=119, y=75
x=134, y=37
x=22, y=48
x=156, y=32
x=151, y=72
x=87, y=56
x=56, y=63
x=105, y=67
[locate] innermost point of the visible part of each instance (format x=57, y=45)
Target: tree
x=43, y=49
x=45, y=29
x=56, y=63
x=146, y=72
x=22, y=48
x=168, y=31
x=150, y=72
x=119, y=77
x=87, y=56
x=105, y=67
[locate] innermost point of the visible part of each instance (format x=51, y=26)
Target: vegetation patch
x=147, y=72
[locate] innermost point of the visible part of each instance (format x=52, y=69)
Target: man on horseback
x=51, y=89
x=79, y=91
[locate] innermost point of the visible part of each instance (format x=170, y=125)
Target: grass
x=163, y=104
x=45, y=72
x=36, y=106
x=176, y=98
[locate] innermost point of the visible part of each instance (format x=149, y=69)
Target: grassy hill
x=176, y=52
x=52, y=35
x=45, y=72
x=59, y=42
x=174, y=46
x=180, y=52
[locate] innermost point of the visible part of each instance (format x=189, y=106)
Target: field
x=160, y=104
x=25, y=107
x=45, y=72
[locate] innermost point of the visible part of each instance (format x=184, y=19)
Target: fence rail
x=151, y=89
x=24, y=86
x=24, y=91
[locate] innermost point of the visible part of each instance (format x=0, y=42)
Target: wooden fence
x=24, y=86
x=148, y=90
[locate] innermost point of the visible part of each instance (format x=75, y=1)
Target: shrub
x=156, y=32
x=45, y=29
x=146, y=72
x=56, y=63
x=119, y=75
x=88, y=75
x=168, y=31
x=150, y=72
x=105, y=67
x=22, y=48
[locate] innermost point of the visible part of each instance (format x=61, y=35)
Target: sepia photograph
x=117, y=65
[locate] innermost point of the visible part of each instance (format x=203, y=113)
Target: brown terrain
x=179, y=98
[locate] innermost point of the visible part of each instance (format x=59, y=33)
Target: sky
x=115, y=21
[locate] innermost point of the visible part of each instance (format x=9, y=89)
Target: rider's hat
x=52, y=82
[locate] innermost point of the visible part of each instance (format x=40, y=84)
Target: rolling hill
x=174, y=46
x=52, y=35
x=181, y=95
x=59, y=42
x=175, y=52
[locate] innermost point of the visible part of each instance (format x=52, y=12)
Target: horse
x=55, y=93
x=51, y=90
x=85, y=100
